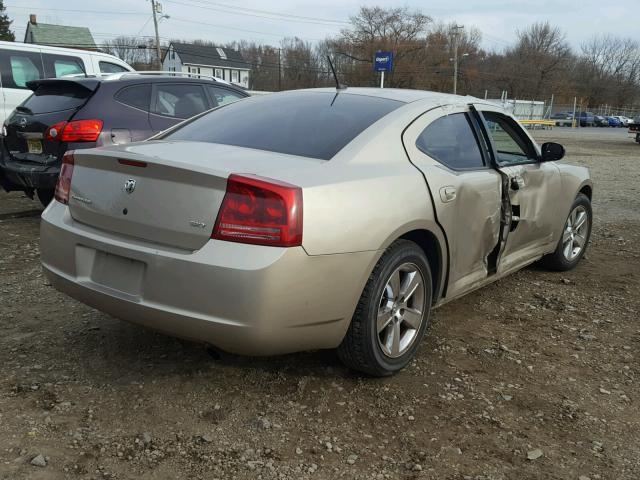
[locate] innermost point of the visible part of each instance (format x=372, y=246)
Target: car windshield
x=309, y=124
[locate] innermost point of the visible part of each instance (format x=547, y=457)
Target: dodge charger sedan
x=313, y=219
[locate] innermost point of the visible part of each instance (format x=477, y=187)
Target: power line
x=143, y=26
x=243, y=13
x=103, y=12
x=272, y=13
x=239, y=29
x=285, y=65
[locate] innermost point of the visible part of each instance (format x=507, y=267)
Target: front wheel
x=575, y=237
x=392, y=314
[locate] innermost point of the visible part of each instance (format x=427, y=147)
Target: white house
x=218, y=62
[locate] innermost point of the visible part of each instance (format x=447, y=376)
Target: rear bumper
x=29, y=174
x=244, y=299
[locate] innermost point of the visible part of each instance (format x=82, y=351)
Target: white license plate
x=34, y=146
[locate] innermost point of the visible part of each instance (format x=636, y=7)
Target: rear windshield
x=55, y=98
x=309, y=124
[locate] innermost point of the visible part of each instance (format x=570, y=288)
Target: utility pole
x=280, y=69
x=456, y=32
x=155, y=25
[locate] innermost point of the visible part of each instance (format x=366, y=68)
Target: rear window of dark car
x=309, y=124
x=55, y=98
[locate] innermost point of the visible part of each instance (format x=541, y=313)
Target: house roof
x=59, y=35
x=209, y=55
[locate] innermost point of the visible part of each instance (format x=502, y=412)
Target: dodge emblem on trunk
x=130, y=185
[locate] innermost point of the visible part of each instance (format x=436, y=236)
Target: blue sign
x=383, y=62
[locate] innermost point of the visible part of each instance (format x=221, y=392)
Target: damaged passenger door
x=448, y=146
x=531, y=185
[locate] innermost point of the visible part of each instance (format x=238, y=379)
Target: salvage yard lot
x=535, y=376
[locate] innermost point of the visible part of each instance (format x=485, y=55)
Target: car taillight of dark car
x=75, y=131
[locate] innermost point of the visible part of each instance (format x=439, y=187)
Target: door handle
x=447, y=194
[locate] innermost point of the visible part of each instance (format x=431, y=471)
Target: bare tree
x=400, y=30
x=539, y=59
x=300, y=64
x=133, y=50
x=437, y=64
x=609, y=68
x=540, y=63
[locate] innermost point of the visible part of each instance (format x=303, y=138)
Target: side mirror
x=552, y=151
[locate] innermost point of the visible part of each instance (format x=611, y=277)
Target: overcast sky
x=498, y=20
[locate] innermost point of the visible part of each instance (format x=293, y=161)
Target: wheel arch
x=587, y=189
x=432, y=246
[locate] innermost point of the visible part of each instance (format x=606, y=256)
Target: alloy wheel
x=401, y=310
x=574, y=237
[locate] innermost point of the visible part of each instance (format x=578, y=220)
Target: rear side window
x=108, y=67
x=17, y=68
x=138, y=96
x=56, y=66
x=179, y=100
x=451, y=141
x=309, y=124
x=222, y=96
x=55, y=98
x=63, y=67
x=25, y=68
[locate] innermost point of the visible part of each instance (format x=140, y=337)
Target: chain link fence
x=548, y=109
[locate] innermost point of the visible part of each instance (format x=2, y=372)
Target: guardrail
x=546, y=123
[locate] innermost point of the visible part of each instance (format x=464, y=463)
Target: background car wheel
x=392, y=314
x=45, y=196
x=575, y=237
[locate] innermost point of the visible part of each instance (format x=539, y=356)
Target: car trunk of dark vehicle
x=33, y=139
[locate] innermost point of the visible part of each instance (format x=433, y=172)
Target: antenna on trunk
x=339, y=86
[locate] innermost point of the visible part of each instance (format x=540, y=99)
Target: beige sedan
x=313, y=219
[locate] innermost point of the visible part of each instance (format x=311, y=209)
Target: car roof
x=403, y=95
x=91, y=82
x=35, y=47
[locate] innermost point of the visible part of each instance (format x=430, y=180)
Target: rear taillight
x=76, y=131
x=82, y=131
x=63, y=187
x=54, y=132
x=260, y=211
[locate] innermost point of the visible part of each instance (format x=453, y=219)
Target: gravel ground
x=532, y=377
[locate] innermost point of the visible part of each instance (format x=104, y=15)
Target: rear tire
x=45, y=196
x=574, y=239
x=392, y=314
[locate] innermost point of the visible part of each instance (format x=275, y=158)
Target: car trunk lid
x=166, y=193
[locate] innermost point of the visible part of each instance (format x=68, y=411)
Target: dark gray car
x=75, y=113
